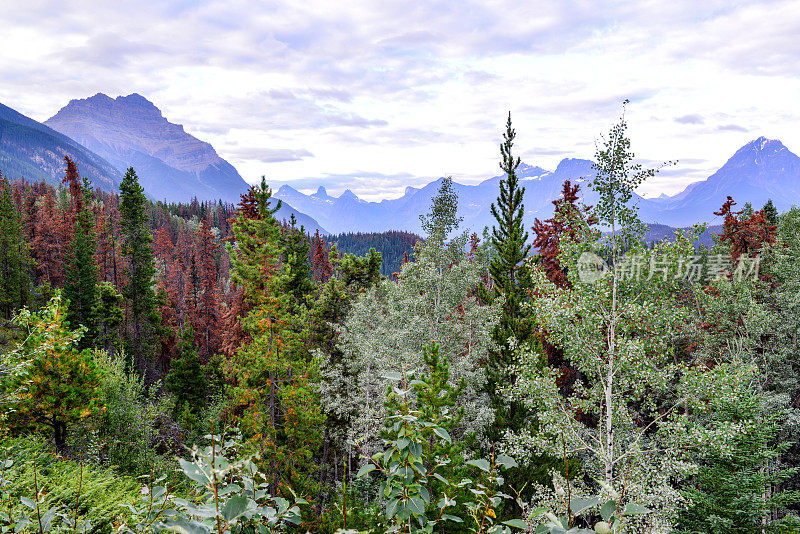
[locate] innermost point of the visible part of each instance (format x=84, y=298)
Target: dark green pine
x=511, y=280
x=80, y=285
x=142, y=318
x=15, y=260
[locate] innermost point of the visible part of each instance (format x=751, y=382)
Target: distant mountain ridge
x=130, y=131
x=33, y=151
x=761, y=170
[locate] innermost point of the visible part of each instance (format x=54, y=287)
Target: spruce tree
x=740, y=490
x=109, y=316
x=511, y=281
x=15, y=260
x=139, y=293
x=770, y=212
x=297, y=268
x=81, y=272
x=186, y=378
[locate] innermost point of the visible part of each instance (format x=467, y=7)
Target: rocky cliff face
x=33, y=151
x=130, y=131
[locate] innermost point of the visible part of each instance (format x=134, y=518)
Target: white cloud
x=382, y=94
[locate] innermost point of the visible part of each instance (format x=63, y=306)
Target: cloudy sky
x=377, y=95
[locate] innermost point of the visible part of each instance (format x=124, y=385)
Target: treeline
x=567, y=379
x=396, y=247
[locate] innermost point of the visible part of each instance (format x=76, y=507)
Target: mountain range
x=107, y=135
x=32, y=150
x=761, y=170
x=130, y=131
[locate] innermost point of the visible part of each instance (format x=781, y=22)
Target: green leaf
x=506, y=461
x=365, y=469
x=607, y=509
x=393, y=375
x=516, y=523
x=635, y=509
x=391, y=508
x=192, y=471
x=442, y=433
x=235, y=507
x=30, y=503
x=183, y=526
x=578, y=505
x=426, y=496
x=481, y=464
x=417, y=506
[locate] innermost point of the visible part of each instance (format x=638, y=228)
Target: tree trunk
x=60, y=436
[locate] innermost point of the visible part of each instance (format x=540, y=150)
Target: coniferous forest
x=204, y=367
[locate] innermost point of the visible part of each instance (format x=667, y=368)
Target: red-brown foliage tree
x=567, y=220
x=745, y=235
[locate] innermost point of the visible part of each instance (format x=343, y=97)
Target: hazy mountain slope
x=31, y=150
x=758, y=171
x=130, y=131
x=761, y=170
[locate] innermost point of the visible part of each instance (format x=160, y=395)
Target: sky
x=374, y=96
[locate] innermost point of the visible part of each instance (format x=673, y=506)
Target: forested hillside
x=208, y=368
x=395, y=247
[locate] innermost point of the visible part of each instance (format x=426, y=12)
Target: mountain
x=31, y=150
x=130, y=131
x=348, y=213
x=762, y=169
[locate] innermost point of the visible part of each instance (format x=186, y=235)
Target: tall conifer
x=14, y=255
x=511, y=281
x=140, y=296
x=81, y=273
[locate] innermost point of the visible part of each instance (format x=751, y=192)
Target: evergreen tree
x=511, y=281
x=207, y=311
x=273, y=370
x=109, y=316
x=738, y=489
x=139, y=293
x=770, y=212
x=81, y=272
x=15, y=261
x=186, y=379
x=59, y=385
x=297, y=269
x=321, y=265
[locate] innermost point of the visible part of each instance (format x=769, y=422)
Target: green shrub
x=63, y=484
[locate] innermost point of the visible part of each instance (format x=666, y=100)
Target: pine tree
x=207, y=314
x=321, y=265
x=15, y=261
x=739, y=489
x=186, y=379
x=109, y=316
x=273, y=370
x=568, y=219
x=81, y=272
x=511, y=281
x=140, y=296
x=59, y=386
x=297, y=270
x=770, y=212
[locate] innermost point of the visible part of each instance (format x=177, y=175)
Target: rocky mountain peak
x=131, y=131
